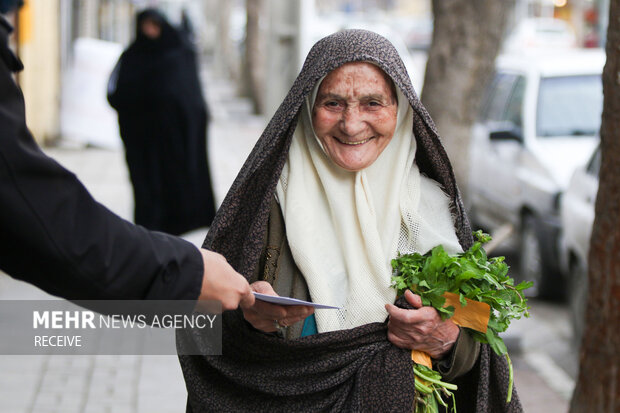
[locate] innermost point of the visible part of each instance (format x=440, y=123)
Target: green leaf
x=462, y=300
x=524, y=285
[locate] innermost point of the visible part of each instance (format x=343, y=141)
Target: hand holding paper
x=269, y=316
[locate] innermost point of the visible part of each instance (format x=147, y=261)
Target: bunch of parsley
x=471, y=275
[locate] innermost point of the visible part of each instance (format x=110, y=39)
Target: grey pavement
x=136, y=384
x=541, y=349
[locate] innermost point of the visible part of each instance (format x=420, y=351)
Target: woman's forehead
x=357, y=78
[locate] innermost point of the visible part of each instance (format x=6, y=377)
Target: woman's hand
x=266, y=317
x=421, y=328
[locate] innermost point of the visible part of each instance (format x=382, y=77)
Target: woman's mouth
x=354, y=143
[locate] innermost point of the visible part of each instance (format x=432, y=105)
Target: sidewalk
x=543, y=386
x=136, y=384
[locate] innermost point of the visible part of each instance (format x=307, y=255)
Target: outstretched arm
x=53, y=234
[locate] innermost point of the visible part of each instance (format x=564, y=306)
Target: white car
x=577, y=217
x=538, y=122
x=540, y=33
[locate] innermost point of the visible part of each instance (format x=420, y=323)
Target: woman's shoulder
x=431, y=185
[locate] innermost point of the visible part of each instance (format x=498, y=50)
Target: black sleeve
x=55, y=235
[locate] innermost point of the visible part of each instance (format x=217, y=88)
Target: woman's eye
x=374, y=105
x=333, y=105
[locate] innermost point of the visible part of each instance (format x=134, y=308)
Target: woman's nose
x=352, y=121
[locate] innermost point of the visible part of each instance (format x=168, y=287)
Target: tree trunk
x=598, y=384
x=225, y=55
x=467, y=36
x=254, y=59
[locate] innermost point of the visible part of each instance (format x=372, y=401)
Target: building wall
x=45, y=35
x=38, y=47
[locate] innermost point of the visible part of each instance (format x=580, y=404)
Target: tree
x=467, y=37
x=226, y=59
x=253, y=76
x=598, y=383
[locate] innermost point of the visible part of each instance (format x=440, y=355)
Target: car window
x=497, y=97
x=569, y=106
x=514, y=109
x=486, y=99
x=594, y=165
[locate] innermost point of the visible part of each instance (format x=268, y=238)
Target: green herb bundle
x=471, y=275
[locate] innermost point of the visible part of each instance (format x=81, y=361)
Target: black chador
x=163, y=121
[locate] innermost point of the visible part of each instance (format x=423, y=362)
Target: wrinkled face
x=151, y=29
x=354, y=115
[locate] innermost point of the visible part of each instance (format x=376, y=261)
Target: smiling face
x=354, y=115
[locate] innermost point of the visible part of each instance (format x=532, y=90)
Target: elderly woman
x=349, y=172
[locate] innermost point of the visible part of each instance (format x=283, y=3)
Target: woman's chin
x=355, y=163
x=354, y=158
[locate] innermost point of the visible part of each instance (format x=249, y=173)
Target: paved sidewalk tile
x=161, y=387
x=536, y=396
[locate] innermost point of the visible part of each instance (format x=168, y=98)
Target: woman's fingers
x=421, y=329
x=294, y=314
x=263, y=287
x=266, y=316
x=413, y=299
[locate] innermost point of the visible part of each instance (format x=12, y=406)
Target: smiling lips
x=354, y=143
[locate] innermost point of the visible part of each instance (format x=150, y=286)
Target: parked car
x=538, y=122
x=542, y=33
x=577, y=217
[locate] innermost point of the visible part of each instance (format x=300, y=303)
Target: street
x=540, y=346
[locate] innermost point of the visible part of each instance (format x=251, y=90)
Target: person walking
x=163, y=120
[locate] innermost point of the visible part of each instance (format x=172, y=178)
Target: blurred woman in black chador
x=163, y=123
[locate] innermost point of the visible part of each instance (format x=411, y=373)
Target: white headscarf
x=344, y=227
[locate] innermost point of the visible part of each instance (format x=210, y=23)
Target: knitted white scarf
x=345, y=227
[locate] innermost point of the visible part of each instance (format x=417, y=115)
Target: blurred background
x=523, y=139
x=59, y=40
